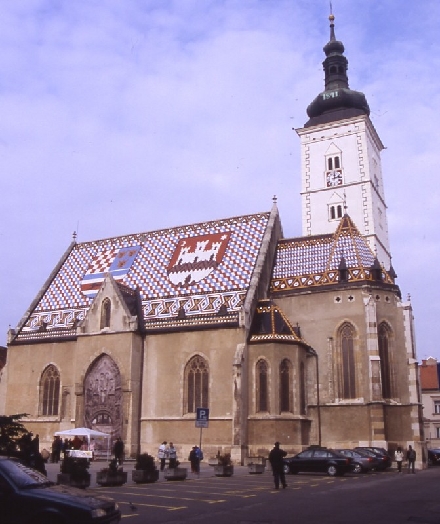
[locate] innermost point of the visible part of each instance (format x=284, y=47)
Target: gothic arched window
x=285, y=385
x=49, y=391
x=106, y=309
x=197, y=384
x=385, y=360
x=347, y=382
x=262, y=386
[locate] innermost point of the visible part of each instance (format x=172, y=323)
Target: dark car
x=433, y=457
x=385, y=460
x=28, y=497
x=318, y=460
x=362, y=462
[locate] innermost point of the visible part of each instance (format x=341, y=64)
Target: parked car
x=318, y=460
x=433, y=457
x=361, y=462
x=28, y=497
x=385, y=459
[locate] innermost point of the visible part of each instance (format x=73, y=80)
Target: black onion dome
x=337, y=101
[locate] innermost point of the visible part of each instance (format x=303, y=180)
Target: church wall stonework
x=164, y=415
x=319, y=316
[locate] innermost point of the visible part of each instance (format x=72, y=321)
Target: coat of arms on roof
x=116, y=261
x=196, y=257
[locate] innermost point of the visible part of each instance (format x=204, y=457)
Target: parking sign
x=202, y=417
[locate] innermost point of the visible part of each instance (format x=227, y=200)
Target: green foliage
x=145, y=462
x=225, y=459
x=77, y=468
x=11, y=431
x=113, y=466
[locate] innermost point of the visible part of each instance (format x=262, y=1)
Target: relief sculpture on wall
x=103, y=397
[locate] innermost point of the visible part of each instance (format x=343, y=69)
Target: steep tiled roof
x=270, y=324
x=195, y=269
x=429, y=375
x=307, y=262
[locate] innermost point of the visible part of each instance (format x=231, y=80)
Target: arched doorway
x=103, y=398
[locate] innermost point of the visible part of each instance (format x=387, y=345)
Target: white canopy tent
x=86, y=432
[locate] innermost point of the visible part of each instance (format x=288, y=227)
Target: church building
x=305, y=340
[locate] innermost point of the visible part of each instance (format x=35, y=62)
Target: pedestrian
x=194, y=459
x=92, y=448
x=55, y=450
x=65, y=447
x=36, y=443
x=162, y=454
x=276, y=457
x=398, y=456
x=118, y=451
x=172, y=455
x=411, y=457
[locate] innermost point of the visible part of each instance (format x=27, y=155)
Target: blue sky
x=123, y=116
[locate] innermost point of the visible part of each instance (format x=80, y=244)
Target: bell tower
x=340, y=159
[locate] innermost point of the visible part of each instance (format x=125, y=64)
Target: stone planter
x=66, y=480
x=176, y=473
x=106, y=477
x=256, y=468
x=144, y=476
x=223, y=471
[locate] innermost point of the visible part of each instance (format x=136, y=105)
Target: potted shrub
x=224, y=467
x=114, y=475
x=145, y=470
x=74, y=472
x=176, y=473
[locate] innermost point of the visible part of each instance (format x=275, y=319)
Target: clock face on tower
x=334, y=178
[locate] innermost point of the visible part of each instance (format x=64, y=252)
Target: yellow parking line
x=169, y=508
x=174, y=497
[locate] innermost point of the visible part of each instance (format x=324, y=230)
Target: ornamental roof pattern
x=307, y=262
x=195, y=269
x=270, y=324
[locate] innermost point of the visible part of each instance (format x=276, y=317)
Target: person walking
x=172, y=455
x=194, y=458
x=398, y=457
x=276, y=457
x=411, y=457
x=55, y=450
x=162, y=454
x=118, y=450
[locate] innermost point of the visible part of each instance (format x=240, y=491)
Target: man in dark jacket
x=276, y=457
x=118, y=450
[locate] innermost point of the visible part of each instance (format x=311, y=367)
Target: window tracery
x=197, y=384
x=50, y=391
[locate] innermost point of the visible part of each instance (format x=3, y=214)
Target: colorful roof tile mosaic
x=196, y=269
x=307, y=262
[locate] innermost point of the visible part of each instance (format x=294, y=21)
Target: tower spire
x=332, y=25
x=337, y=101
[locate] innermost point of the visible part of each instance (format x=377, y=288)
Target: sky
x=127, y=116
